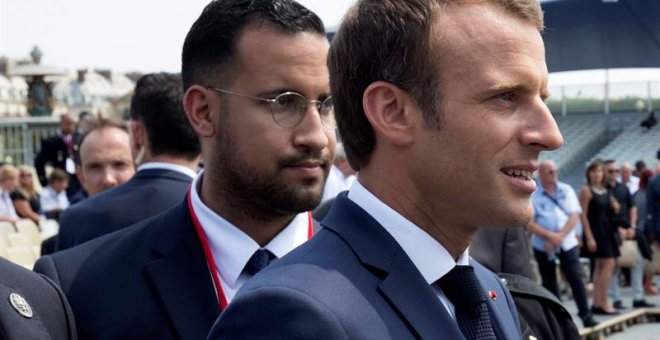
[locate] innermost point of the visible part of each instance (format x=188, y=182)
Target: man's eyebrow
x=505, y=87
x=512, y=87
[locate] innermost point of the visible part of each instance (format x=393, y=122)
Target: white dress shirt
x=51, y=200
x=232, y=248
x=429, y=256
x=6, y=205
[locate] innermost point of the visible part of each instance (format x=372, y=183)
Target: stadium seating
x=633, y=144
x=21, y=243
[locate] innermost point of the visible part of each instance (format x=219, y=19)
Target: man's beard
x=264, y=195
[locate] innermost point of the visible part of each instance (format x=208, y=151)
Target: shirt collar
x=429, y=256
x=168, y=166
x=231, y=247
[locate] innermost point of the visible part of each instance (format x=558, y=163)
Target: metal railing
x=20, y=138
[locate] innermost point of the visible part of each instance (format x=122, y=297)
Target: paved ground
x=637, y=332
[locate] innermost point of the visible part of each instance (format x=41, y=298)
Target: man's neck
x=258, y=223
x=550, y=187
x=426, y=215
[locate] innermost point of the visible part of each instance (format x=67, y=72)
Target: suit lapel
x=182, y=279
x=417, y=302
x=500, y=311
x=403, y=285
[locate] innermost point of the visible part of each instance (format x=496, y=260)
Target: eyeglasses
x=613, y=171
x=551, y=172
x=25, y=175
x=289, y=108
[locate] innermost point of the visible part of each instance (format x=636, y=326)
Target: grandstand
x=633, y=144
x=590, y=136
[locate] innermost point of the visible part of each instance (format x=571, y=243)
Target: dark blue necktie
x=259, y=260
x=462, y=288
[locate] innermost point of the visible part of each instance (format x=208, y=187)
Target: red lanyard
x=210, y=261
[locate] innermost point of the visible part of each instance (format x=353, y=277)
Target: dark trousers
x=570, y=266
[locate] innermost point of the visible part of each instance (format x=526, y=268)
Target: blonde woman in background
x=27, y=195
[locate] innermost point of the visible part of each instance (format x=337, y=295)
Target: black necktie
x=259, y=260
x=462, y=288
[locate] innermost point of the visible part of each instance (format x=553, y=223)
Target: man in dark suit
x=57, y=151
x=441, y=112
x=653, y=205
x=267, y=152
x=168, y=153
x=32, y=306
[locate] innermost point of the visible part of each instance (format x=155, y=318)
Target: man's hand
x=555, y=239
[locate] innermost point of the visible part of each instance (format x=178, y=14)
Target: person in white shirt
x=556, y=215
x=53, y=197
x=631, y=181
x=8, y=183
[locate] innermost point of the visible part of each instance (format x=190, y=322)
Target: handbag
x=628, y=257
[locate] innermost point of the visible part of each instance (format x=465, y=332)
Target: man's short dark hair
x=158, y=104
x=391, y=41
x=209, y=48
x=97, y=125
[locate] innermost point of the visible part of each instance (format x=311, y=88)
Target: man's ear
x=391, y=112
x=137, y=135
x=81, y=176
x=196, y=103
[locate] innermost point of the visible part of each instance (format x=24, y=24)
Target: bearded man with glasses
x=257, y=95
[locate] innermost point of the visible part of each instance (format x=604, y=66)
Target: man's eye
x=506, y=96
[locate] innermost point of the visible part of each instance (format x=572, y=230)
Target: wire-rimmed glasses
x=289, y=108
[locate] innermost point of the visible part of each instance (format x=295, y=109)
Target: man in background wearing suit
x=57, y=151
x=32, y=306
x=258, y=96
x=167, y=151
x=440, y=108
x=104, y=161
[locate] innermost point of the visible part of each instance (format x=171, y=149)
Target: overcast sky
x=123, y=35
x=145, y=35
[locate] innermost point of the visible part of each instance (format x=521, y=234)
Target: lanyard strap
x=210, y=261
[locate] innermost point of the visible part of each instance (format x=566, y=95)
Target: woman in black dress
x=597, y=206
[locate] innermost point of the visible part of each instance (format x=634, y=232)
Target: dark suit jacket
x=146, y=194
x=54, y=152
x=149, y=281
x=653, y=208
x=52, y=317
x=503, y=250
x=351, y=281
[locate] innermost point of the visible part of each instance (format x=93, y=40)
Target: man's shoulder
x=153, y=181
x=13, y=275
x=310, y=266
x=49, y=310
x=565, y=187
x=655, y=181
x=101, y=253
